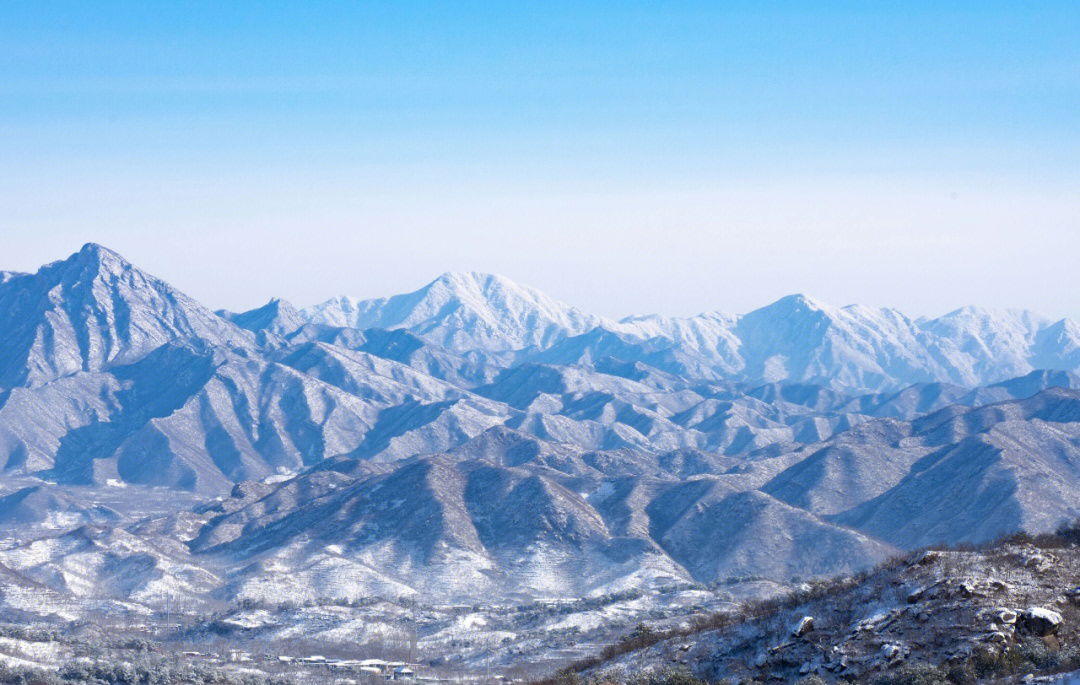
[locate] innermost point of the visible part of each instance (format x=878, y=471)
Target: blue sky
x=624, y=157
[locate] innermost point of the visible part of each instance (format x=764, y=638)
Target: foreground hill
x=940, y=616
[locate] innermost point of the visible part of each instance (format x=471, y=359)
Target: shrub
x=667, y=676
x=916, y=674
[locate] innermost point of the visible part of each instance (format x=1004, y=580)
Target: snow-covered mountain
x=860, y=348
x=464, y=312
x=95, y=310
x=276, y=316
x=478, y=437
x=796, y=339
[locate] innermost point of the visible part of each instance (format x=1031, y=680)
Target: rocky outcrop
x=1040, y=622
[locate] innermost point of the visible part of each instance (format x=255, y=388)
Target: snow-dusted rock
x=804, y=626
x=891, y=651
x=1039, y=621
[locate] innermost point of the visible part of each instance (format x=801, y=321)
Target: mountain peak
x=792, y=307
x=490, y=295
x=94, y=310
x=101, y=258
x=97, y=249
x=465, y=277
x=971, y=322
x=464, y=283
x=464, y=311
x=277, y=316
x=90, y=263
x=801, y=301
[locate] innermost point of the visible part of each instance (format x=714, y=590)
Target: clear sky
x=624, y=157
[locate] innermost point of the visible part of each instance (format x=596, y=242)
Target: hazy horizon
x=436, y=277
x=623, y=160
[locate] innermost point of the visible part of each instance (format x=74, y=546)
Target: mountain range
x=854, y=349
x=478, y=438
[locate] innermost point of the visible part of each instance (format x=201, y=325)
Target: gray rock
x=997, y=637
x=805, y=625
x=928, y=557
x=1039, y=621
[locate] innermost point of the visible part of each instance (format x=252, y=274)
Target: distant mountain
x=958, y=475
x=109, y=374
x=468, y=525
x=464, y=312
x=986, y=345
x=709, y=336
x=608, y=350
x=855, y=349
x=803, y=340
x=798, y=339
x=276, y=316
x=984, y=473
x=1033, y=383
x=399, y=345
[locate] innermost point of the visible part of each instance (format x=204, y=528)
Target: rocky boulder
x=1039, y=621
x=806, y=625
